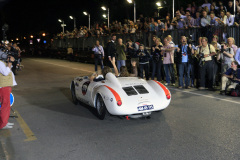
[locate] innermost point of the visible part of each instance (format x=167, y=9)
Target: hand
x=103, y=58
x=153, y=49
x=134, y=63
x=231, y=76
x=113, y=60
x=190, y=46
x=178, y=49
x=12, y=59
x=206, y=55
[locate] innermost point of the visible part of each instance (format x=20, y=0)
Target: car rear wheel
x=100, y=107
x=74, y=98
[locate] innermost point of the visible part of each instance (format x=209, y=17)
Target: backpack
x=235, y=92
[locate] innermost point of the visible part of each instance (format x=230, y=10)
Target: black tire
x=74, y=98
x=100, y=107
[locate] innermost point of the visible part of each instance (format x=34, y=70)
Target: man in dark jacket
x=184, y=61
x=111, y=50
x=144, y=57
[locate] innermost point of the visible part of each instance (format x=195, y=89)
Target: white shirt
x=230, y=20
x=5, y=71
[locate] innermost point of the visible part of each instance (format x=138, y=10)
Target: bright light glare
x=85, y=13
x=71, y=17
x=59, y=20
x=130, y=1
x=103, y=8
x=104, y=15
x=158, y=4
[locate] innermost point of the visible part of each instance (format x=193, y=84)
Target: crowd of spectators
x=193, y=16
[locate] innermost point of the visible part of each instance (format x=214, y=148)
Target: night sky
x=30, y=17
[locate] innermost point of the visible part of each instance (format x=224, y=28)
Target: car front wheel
x=100, y=107
x=74, y=98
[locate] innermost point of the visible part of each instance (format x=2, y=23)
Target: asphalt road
x=198, y=125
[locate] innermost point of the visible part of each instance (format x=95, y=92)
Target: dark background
x=31, y=17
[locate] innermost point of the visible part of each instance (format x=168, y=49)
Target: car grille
x=141, y=89
x=130, y=91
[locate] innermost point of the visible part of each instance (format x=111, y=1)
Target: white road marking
x=63, y=66
x=208, y=96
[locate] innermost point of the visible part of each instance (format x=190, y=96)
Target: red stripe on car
x=116, y=95
x=167, y=92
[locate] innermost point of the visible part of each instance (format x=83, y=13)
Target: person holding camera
x=7, y=80
x=156, y=59
x=184, y=62
x=205, y=53
x=132, y=49
x=98, y=55
x=144, y=57
x=232, y=75
x=226, y=56
x=168, y=61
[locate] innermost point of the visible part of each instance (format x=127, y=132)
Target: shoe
x=10, y=124
x=222, y=92
x=7, y=127
x=173, y=84
x=188, y=87
x=201, y=88
x=180, y=87
x=211, y=89
x=166, y=84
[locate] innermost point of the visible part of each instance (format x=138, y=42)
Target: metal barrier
x=86, y=43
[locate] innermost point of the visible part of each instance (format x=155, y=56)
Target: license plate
x=145, y=107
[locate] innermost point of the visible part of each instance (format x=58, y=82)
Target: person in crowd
x=205, y=20
x=230, y=7
x=237, y=56
x=226, y=56
x=230, y=19
x=98, y=55
x=144, y=57
x=215, y=39
x=190, y=21
x=111, y=50
x=197, y=20
x=205, y=52
x=168, y=61
x=213, y=21
x=215, y=64
x=124, y=71
x=159, y=28
x=184, y=58
x=14, y=50
x=222, y=19
x=156, y=59
x=105, y=71
x=7, y=81
x=206, y=4
x=168, y=25
x=231, y=44
x=232, y=75
x=132, y=48
x=120, y=54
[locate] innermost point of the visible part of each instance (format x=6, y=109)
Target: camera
x=4, y=54
x=189, y=40
x=201, y=56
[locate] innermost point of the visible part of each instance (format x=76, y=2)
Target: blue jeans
x=98, y=58
x=169, y=72
x=156, y=66
x=183, y=71
x=191, y=73
x=120, y=63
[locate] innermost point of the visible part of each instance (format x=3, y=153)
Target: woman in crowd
x=156, y=59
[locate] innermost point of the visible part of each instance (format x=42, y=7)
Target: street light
x=134, y=10
x=85, y=13
x=104, y=16
x=62, y=25
x=159, y=7
x=104, y=8
x=74, y=21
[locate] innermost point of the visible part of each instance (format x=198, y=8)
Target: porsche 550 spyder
x=122, y=96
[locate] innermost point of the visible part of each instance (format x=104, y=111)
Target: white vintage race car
x=123, y=96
